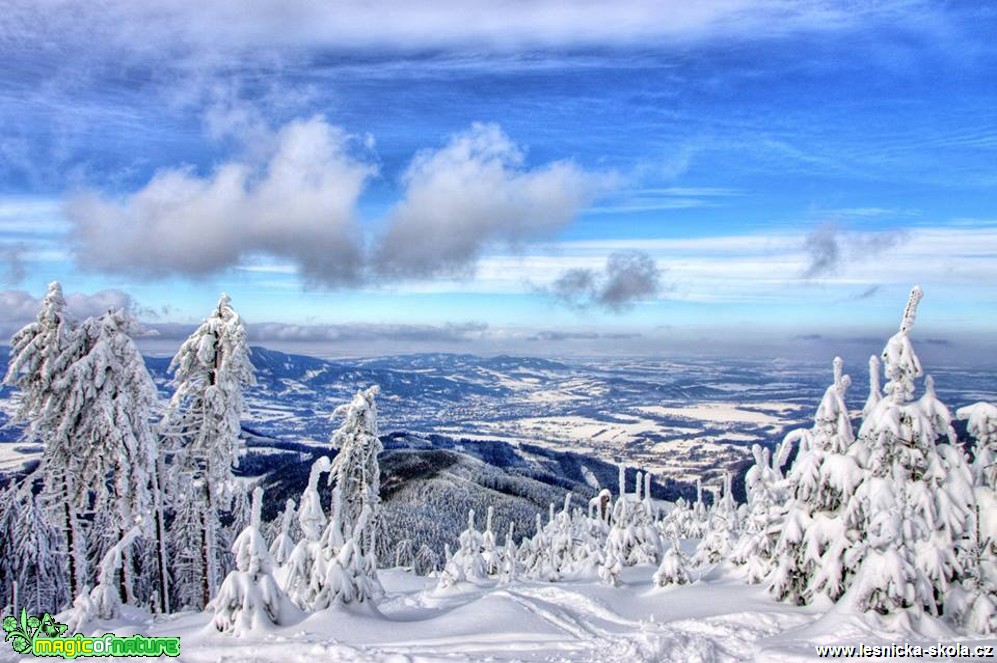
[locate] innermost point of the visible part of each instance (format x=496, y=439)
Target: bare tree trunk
x=161, y=561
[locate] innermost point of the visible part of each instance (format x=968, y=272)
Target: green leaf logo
x=22, y=633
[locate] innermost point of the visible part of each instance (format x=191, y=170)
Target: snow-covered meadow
x=716, y=618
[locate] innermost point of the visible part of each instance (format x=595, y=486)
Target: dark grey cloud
x=823, y=250
x=866, y=294
x=628, y=277
x=830, y=249
x=471, y=194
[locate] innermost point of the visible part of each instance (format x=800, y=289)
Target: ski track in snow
x=526, y=621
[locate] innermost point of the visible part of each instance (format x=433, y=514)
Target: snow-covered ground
x=717, y=618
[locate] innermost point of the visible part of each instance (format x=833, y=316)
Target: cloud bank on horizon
x=742, y=163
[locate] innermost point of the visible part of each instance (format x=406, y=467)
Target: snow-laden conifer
x=981, y=422
x=345, y=567
x=489, y=550
x=466, y=563
x=210, y=371
x=672, y=570
x=296, y=574
x=32, y=557
x=914, y=503
x=88, y=398
x=722, y=528
x=283, y=543
x=106, y=596
x=356, y=472
x=808, y=555
x=111, y=408
x=510, y=570
x=767, y=495
x=249, y=598
x=39, y=360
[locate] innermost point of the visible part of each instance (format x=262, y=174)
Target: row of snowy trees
x=122, y=485
x=140, y=502
x=888, y=519
x=334, y=562
x=893, y=519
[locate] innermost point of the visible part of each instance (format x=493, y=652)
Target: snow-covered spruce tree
x=510, y=570
x=678, y=521
x=283, y=543
x=210, y=371
x=982, y=425
x=974, y=602
x=914, y=505
x=672, y=570
x=535, y=553
x=566, y=552
x=452, y=574
x=355, y=470
x=632, y=537
x=469, y=553
x=875, y=393
x=296, y=574
x=723, y=525
x=90, y=404
x=467, y=563
x=345, y=570
x=31, y=551
x=766, y=509
x=489, y=550
x=249, y=598
x=37, y=366
x=106, y=596
x=113, y=409
x=700, y=514
x=808, y=553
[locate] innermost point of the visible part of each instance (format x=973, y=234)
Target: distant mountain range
x=463, y=431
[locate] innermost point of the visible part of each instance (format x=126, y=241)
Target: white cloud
x=472, y=194
x=298, y=204
x=295, y=210
x=177, y=25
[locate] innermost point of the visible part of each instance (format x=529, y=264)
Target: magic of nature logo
x=43, y=636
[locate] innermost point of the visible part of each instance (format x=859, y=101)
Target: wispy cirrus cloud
x=505, y=24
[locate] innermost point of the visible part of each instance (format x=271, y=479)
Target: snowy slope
x=718, y=618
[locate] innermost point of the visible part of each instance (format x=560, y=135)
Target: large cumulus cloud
x=298, y=204
x=472, y=192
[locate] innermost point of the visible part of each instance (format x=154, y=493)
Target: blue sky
x=544, y=176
